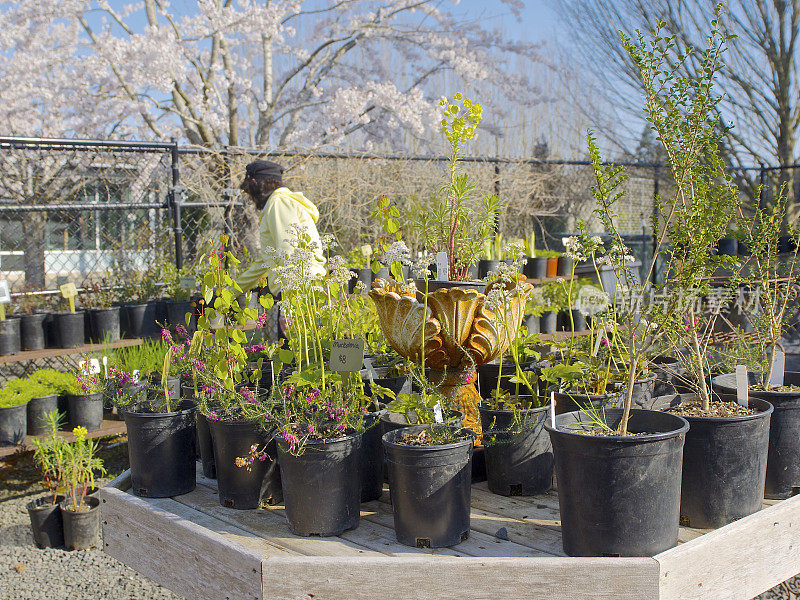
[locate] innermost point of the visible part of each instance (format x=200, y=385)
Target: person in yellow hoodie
x=279, y=208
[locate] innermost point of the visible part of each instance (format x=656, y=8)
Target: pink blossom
x=166, y=335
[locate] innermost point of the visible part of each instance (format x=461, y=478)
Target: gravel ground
x=27, y=573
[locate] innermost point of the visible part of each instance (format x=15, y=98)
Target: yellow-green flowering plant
x=80, y=465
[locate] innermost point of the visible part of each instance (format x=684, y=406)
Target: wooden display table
x=201, y=550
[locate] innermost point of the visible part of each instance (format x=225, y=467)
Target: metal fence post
x=174, y=200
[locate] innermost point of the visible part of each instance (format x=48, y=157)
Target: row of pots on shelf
x=70, y=330
x=82, y=410
x=539, y=267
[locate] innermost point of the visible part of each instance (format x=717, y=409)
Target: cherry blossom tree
x=265, y=73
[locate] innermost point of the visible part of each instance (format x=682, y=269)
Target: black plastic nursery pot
x=10, y=340
x=430, y=489
x=619, y=496
x=38, y=409
x=517, y=464
x=564, y=266
x=81, y=528
x=643, y=389
x=239, y=487
x=724, y=466
x=32, y=331
x=69, y=329
x=487, y=267
x=535, y=267
x=13, y=424
x=671, y=377
x=783, y=459
x=104, y=324
x=161, y=450
x=487, y=376
x=322, y=486
x=532, y=323
x=727, y=246
x=176, y=313
x=548, y=321
x=577, y=323
x=371, y=457
x=85, y=410
x=132, y=319
x=173, y=385
x=46, y=524
x=567, y=401
x=205, y=446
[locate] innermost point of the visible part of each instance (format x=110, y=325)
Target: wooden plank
x=481, y=543
x=55, y=352
x=419, y=578
x=230, y=532
x=108, y=428
x=268, y=523
x=176, y=553
x=738, y=561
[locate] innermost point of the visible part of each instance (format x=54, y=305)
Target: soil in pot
x=46, y=524
x=243, y=487
x=161, y=450
x=619, y=495
x=430, y=488
x=38, y=409
x=783, y=459
x=724, y=464
x=69, y=329
x=10, y=340
x=85, y=411
x=322, y=486
x=104, y=324
x=520, y=462
x=13, y=424
x=32, y=331
x=81, y=528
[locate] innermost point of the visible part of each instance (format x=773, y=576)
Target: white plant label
x=600, y=333
x=742, y=386
x=105, y=366
x=347, y=355
x=187, y=283
x=553, y=410
x=5, y=294
x=778, y=363
x=442, y=267
x=372, y=374
x=135, y=376
x=437, y=413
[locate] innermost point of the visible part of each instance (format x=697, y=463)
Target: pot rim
x=91, y=500
x=732, y=419
x=155, y=415
x=31, y=505
x=622, y=439
x=732, y=390
x=470, y=439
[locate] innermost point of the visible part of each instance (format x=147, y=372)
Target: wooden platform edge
x=26, y=355
x=419, y=578
x=187, y=558
x=738, y=561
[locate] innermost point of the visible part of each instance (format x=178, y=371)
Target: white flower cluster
x=397, y=252
x=339, y=271
x=328, y=241
x=421, y=266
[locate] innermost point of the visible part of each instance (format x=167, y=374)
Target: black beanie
x=264, y=169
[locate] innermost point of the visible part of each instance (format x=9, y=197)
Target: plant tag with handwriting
x=442, y=267
x=437, y=413
x=347, y=355
x=69, y=291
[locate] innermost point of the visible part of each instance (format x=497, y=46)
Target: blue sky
x=538, y=19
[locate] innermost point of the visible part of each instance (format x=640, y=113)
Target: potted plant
x=40, y=399
x=535, y=266
x=319, y=414
x=9, y=333
x=97, y=299
x=28, y=306
x=232, y=413
x=79, y=511
x=69, y=326
x=161, y=435
x=59, y=382
x=430, y=481
x=85, y=399
x=769, y=277
x=493, y=255
x=181, y=310
x=13, y=416
x=552, y=257
x=44, y=511
x=139, y=291
x=358, y=260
